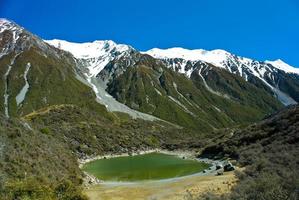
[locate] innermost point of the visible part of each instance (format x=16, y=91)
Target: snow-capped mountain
x=279, y=64
x=100, y=54
x=92, y=58
x=218, y=57
x=11, y=33
x=270, y=73
x=36, y=74
x=16, y=39
x=215, y=84
x=102, y=62
x=215, y=57
x=95, y=54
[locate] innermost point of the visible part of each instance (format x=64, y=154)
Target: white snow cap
x=86, y=50
x=3, y=21
x=98, y=53
x=215, y=57
x=283, y=66
x=5, y=24
x=106, y=48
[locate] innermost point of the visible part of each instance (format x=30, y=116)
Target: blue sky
x=260, y=29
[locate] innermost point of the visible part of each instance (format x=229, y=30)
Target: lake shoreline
x=90, y=180
x=180, y=153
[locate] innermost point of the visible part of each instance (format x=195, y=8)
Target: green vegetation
x=150, y=87
x=35, y=165
x=60, y=122
x=151, y=166
x=269, y=152
x=88, y=133
x=42, y=159
x=52, y=81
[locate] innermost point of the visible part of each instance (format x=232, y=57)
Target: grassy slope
x=51, y=80
x=35, y=165
x=137, y=87
x=240, y=90
x=89, y=133
x=63, y=133
x=42, y=163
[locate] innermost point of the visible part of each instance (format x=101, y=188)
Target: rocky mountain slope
x=151, y=87
x=203, y=90
x=35, y=74
x=229, y=83
x=277, y=76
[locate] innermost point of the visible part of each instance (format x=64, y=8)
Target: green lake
x=152, y=166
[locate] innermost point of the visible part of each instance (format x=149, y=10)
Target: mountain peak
x=4, y=21
x=280, y=64
x=215, y=57
x=86, y=50
x=6, y=24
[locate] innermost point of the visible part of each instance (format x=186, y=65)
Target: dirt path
x=177, y=189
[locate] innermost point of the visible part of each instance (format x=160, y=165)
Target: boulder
x=228, y=167
x=219, y=166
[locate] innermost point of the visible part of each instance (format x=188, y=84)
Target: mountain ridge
x=178, y=58
x=173, y=52
x=104, y=65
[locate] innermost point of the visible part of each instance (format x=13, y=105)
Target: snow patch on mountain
x=218, y=57
x=95, y=54
x=209, y=88
x=279, y=64
x=178, y=58
x=6, y=93
x=98, y=54
x=22, y=94
x=86, y=50
x=6, y=25
x=15, y=30
x=215, y=57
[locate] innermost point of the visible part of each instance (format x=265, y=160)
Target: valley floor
x=166, y=190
